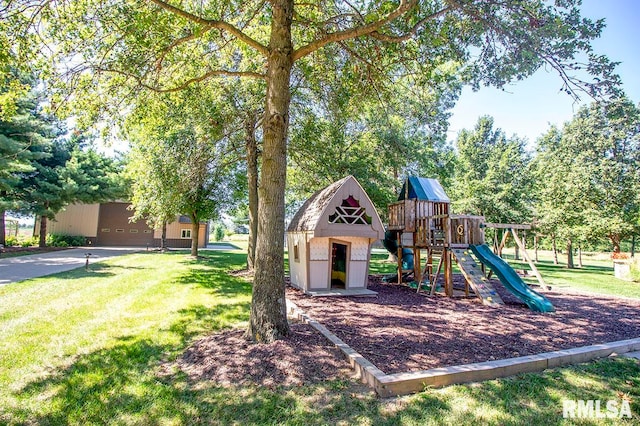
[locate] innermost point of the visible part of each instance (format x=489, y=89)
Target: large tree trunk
x=633, y=245
x=252, y=178
x=195, y=234
x=268, y=320
x=3, y=236
x=570, y=254
x=43, y=231
x=555, y=250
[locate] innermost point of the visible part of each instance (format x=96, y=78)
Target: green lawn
x=87, y=348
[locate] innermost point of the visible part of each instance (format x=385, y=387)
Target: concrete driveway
x=13, y=269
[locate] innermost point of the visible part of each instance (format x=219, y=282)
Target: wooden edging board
x=386, y=385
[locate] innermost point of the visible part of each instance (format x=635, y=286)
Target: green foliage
x=492, y=175
x=55, y=240
x=219, y=232
x=23, y=134
x=587, y=174
x=28, y=242
x=181, y=161
x=11, y=240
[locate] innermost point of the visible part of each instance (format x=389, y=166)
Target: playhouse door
x=339, y=265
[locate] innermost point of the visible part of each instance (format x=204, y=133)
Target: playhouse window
x=185, y=233
x=350, y=212
x=296, y=253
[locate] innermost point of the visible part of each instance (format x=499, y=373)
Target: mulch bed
x=227, y=358
x=401, y=331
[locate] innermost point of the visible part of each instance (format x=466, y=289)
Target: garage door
x=114, y=228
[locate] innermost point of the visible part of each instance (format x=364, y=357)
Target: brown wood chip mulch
x=401, y=331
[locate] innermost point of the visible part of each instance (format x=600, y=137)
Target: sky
x=529, y=107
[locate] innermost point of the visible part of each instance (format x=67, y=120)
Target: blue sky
x=527, y=108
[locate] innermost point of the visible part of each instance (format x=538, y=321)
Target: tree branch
x=368, y=29
x=397, y=39
x=221, y=25
x=186, y=83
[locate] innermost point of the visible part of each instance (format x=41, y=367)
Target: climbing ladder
x=476, y=279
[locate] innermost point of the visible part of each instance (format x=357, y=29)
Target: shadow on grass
x=96, y=270
x=198, y=319
x=207, y=273
x=128, y=383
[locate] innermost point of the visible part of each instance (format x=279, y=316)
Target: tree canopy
x=588, y=174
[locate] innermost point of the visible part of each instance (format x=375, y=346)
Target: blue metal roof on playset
x=423, y=189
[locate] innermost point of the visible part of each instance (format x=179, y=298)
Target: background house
x=330, y=237
x=107, y=224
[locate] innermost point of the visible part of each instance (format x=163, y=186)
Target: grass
x=89, y=348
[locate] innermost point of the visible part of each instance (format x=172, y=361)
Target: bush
x=55, y=240
x=11, y=241
x=218, y=232
x=29, y=242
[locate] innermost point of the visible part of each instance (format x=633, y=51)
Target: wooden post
x=505, y=234
x=399, y=257
x=535, y=247
x=417, y=270
x=448, y=279
x=531, y=264
x=434, y=280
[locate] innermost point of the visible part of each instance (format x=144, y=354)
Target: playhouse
x=329, y=240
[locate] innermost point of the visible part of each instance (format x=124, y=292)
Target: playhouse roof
x=341, y=209
x=423, y=189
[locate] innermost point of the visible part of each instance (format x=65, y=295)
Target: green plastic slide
x=511, y=280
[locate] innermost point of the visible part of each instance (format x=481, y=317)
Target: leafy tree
x=162, y=46
x=492, y=175
x=20, y=134
x=596, y=162
x=181, y=161
x=557, y=198
x=346, y=123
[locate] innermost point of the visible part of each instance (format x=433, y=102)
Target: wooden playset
x=421, y=221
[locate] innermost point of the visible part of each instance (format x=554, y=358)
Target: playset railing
x=433, y=226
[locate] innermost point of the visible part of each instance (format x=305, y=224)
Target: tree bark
x=615, y=242
x=3, y=236
x=195, y=231
x=555, y=250
x=252, y=180
x=163, y=237
x=268, y=320
x=633, y=245
x=43, y=232
x=579, y=255
x=570, y=254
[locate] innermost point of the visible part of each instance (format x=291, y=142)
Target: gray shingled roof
x=308, y=215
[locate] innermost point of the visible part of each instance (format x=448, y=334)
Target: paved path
x=13, y=269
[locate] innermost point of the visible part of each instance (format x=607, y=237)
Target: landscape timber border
x=389, y=385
